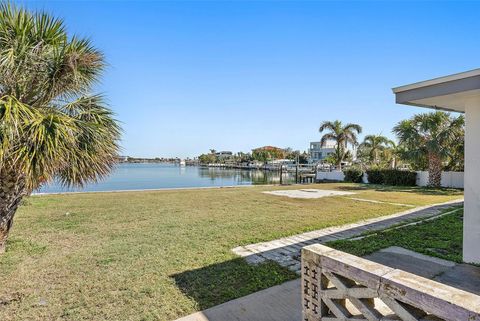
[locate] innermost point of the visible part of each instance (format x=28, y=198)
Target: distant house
x=122, y=159
x=255, y=164
x=269, y=148
x=281, y=162
x=317, y=152
x=223, y=155
x=267, y=153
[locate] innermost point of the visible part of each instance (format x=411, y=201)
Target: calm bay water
x=156, y=176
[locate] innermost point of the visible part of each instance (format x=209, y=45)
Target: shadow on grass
x=354, y=188
x=222, y=282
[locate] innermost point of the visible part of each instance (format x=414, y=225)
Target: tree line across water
x=261, y=154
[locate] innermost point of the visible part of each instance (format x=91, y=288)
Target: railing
x=340, y=286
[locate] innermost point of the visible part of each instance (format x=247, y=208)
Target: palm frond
x=50, y=127
x=435, y=133
x=327, y=137
x=331, y=126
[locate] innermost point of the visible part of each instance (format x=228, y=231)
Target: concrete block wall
x=449, y=179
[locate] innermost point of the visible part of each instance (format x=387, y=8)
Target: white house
x=224, y=155
x=460, y=93
x=281, y=162
x=317, y=152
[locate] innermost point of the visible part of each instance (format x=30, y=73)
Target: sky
x=184, y=77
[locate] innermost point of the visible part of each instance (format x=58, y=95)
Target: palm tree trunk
x=434, y=170
x=339, y=157
x=12, y=191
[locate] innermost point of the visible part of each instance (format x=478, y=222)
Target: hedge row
x=353, y=175
x=393, y=177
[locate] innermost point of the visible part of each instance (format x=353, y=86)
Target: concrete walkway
x=286, y=251
x=283, y=302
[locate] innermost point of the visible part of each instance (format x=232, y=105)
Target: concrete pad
x=307, y=193
x=281, y=302
x=406, y=260
x=462, y=276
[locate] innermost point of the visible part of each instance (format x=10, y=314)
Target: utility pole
x=296, y=168
x=281, y=172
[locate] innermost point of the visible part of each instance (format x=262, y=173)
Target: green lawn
x=160, y=255
x=441, y=237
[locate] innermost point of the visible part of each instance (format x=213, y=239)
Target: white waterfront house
x=281, y=162
x=460, y=93
x=317, y=152
x=223, y=155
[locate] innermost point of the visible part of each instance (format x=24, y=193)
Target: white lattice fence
x=340, y=286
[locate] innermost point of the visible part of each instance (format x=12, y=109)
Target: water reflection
x=156, y=176
x=241, y=176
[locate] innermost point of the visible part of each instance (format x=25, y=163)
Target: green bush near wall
x=393, y=177
x=375, y=176
x=399, y=178
x=353, y=175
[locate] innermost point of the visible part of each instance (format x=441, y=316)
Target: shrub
x=393, y=177
x=397, y=177
x=353, y=175
x=375, y=176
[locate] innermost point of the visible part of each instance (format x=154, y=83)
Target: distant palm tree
x=50, y=126
x=392, y=153
x=342, y=135
x=374, y=144
x=430, y=136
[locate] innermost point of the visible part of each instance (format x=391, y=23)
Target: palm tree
x=392, y=153
x=430, y=136
x=374, y=144
x=456, y=157
x=342, y=135
x=51, y=127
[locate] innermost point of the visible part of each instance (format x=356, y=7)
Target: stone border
x=286, y=251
